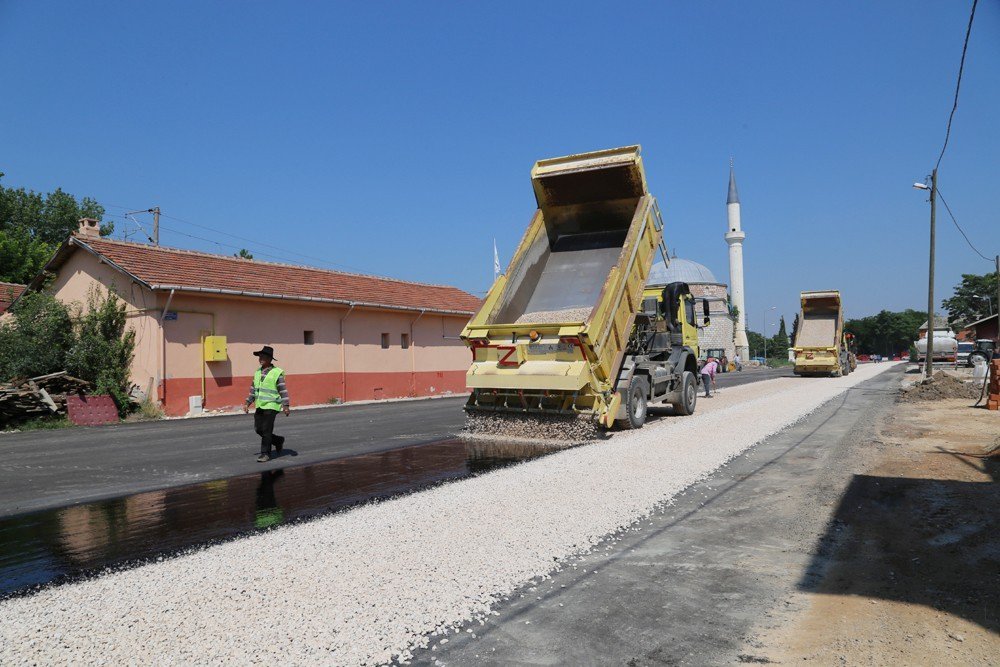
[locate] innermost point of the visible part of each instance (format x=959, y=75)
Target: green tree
x=35, y=341
x=32, y=225
x=756, y=343
x=887, y=332
x=973, y=298
x=243, y=254
x=777, y=346
x=103, y=349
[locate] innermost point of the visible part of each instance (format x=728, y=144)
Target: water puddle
x=70, y=542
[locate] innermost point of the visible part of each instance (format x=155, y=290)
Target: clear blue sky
x=396, y=138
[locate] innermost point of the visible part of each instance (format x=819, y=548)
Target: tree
x=973, y=298
x=243, y=254
x=777, y=347
x=35, y=341
x=887, y=332
x=32, y=225
x=756, y=343
x=103, y=349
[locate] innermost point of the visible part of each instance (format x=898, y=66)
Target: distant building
x=339, y=336
x=8, y=294
x=717, y=338
x=986, y=328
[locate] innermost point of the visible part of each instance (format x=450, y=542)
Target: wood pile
x=38, y=396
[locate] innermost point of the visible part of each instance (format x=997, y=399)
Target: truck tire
x=689, y=394
x=636, y=406
x=847, y=368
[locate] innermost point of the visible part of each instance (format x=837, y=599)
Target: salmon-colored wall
x=435, y=363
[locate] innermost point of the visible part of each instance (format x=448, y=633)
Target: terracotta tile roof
x=9, y=292
x=165, y=268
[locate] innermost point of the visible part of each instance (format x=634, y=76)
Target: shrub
x=36, y=340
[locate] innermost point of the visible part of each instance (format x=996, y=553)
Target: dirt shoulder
x=908, y=570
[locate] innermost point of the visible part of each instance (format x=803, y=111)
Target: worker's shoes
x=263, y=458
x=279, y=444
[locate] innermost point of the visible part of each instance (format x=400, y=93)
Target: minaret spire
x=734, y=237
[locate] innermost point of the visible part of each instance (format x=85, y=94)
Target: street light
x=929, y=366
x=988, y=300
x=765, y=332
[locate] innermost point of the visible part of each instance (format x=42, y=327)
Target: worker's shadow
x=286, y=451
x=933, y=542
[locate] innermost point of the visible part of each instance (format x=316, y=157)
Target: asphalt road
x=692, y=584
x=47, y=469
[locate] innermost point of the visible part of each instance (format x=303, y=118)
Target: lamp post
x=765, y=331
x=929, y=365
x=988, y=300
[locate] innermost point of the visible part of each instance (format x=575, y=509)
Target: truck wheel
x=689, y=394
x=847, y=368
x=635, y=413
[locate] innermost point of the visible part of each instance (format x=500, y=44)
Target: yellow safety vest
x=266, y=394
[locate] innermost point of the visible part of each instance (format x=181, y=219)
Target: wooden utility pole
x=156, y=224
x=929, y=362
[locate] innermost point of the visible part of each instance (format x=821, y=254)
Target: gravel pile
x=365, y=586
x=554, y=429
x=554, y=316
x=941, y=385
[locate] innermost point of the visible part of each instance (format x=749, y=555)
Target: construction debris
x=38, y=396
x=942, y=385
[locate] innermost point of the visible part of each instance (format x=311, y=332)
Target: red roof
x=9, y=292
x=171, y=268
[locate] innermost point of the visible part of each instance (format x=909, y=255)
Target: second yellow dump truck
x=821, y=347
x=570, y=332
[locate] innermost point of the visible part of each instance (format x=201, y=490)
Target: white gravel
x=365, y=586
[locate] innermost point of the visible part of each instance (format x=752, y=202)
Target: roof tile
x=159, y=266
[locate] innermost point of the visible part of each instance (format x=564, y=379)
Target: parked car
x=964, y=348
x=863, y=357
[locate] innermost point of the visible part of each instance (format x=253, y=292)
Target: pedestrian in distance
x=708, y=375
x=268, y=391
x=738, y=362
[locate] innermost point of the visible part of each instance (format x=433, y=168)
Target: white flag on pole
x=496, y=261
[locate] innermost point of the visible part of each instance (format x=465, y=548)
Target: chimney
x=90, y=228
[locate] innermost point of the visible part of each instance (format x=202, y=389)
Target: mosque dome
x=681, y=270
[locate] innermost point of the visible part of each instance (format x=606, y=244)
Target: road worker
x=268, y=391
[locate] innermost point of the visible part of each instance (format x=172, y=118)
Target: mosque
x=724, y=335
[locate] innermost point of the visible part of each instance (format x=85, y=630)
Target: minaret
x=734, y=237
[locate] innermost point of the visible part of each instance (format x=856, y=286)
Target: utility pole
x=998, y=295
x=929, y=362
x=156, y=224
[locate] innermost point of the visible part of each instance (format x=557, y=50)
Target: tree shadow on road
x=933, y=542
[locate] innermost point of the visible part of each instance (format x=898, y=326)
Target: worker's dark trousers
x=706, y=380
x=263, y=423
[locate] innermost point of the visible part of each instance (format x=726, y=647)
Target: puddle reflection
x=55, y=544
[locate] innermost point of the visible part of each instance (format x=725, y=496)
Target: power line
x=958, y=85
x=252, y=242
x=959, y=227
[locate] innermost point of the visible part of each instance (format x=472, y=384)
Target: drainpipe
x=163, y=350
x=343, y=353
x=413, y=357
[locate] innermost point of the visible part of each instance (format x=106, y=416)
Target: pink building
x=339, y=336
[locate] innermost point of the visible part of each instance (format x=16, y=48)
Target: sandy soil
x=912, y=573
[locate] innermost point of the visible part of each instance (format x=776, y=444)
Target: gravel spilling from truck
x=365, y=587
x=545, y=430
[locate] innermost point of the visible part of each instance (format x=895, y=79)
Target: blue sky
x=396, y=138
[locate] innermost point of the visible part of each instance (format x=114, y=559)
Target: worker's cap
x=266, y=351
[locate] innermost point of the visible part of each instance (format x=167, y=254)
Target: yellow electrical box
x=215, y=348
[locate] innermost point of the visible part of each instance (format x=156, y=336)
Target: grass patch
x=45, y=423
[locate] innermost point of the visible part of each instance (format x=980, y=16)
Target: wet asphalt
x=49, y=469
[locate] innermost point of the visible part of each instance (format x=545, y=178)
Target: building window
x=308, y=338
x=385, y=341
x=405, y=339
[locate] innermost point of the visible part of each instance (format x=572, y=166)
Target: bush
x=89, y=342
x=36, y=341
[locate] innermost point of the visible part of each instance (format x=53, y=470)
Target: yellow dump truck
x=820, y=344
x=570, y=330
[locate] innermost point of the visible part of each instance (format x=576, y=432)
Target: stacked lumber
x=38, y=396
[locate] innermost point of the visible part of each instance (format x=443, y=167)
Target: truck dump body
x=551, y=333
x=819, y=339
